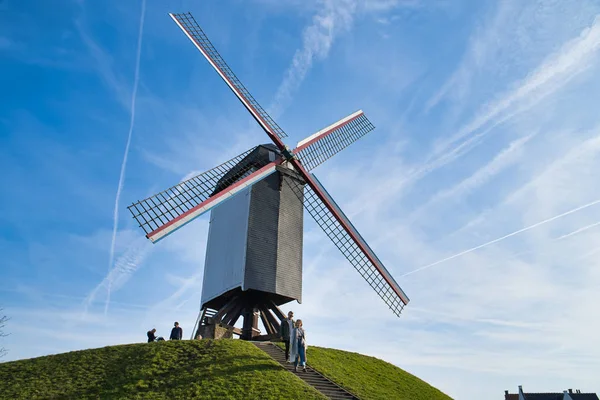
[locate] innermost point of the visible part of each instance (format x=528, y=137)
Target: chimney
x=566, y=395
x=521, y=395
x=506, y=393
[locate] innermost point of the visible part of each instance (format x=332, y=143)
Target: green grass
x=206, y=369
x=370, y=378
x=201, y=369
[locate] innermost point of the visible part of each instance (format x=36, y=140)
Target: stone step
x=311, y=377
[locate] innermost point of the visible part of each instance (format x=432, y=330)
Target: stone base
x=214, y=331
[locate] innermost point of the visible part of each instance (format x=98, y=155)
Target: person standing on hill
x=151, y=335
x=299, y=346
x=287, y=325
x=176, y=332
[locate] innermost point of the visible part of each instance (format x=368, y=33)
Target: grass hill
x=369, y=377
x=205, y=369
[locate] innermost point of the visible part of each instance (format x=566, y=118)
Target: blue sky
x=486, y=120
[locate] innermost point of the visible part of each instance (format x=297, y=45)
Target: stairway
x=312, y=377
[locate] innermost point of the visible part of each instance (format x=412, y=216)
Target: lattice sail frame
x=155, y=211
x=326, y=143
x=190, y=27
x=389, y=291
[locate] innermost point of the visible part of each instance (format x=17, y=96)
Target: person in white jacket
x=298, y=346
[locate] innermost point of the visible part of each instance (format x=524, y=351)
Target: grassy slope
x=225, y=369
x=222, y=369
x=370, y=378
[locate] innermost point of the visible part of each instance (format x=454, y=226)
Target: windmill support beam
x=266, y=323
x=226, y=309
x=232, y=317
x=250, y=326
x=278, y=313
x=271, y=318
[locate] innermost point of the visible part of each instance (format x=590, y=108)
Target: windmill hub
x=288, y=154
x=254, y=252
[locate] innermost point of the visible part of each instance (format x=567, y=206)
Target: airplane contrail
x=585, y=228
x=124, y=163
x=503, y=237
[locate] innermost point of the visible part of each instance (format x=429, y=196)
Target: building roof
x=552, y=396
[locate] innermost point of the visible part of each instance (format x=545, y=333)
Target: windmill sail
x=190, y=27
x=163, y=213
x=347, y=239
x=326, y=143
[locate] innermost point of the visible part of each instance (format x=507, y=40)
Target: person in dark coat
x=285, y=331
x=151, y=335
x=176, y=332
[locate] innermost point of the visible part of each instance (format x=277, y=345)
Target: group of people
x=293, y=335
x=176, y=334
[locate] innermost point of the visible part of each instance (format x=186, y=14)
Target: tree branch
x=3, y=320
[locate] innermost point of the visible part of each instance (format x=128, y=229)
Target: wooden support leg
x=276, y=325
x=251, y=305
x=266, y=322
x=276, y=310
x=225, y=309
x=199, y=322
x=233, y=315
x=250, y=327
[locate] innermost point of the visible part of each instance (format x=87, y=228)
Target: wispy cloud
x=103, y=63
x=573, y=58
x=554, y=72
x=507, y=157
x=124, y=267
x=553, y=176
x=334, y=18
x=124, y=163
x=503, y=237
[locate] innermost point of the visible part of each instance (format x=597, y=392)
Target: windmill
x=254, y=253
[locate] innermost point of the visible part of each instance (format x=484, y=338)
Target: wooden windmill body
x=254, y=253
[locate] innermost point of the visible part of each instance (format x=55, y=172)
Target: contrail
x=125, y=266
x=585, y=228
x=503, y=237
x=124, y=164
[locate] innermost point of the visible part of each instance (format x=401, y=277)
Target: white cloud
x=104, y=65
x=123, y=269
x=507, y=157
x=593, y=203
x=555, y=71
x=333, y=18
